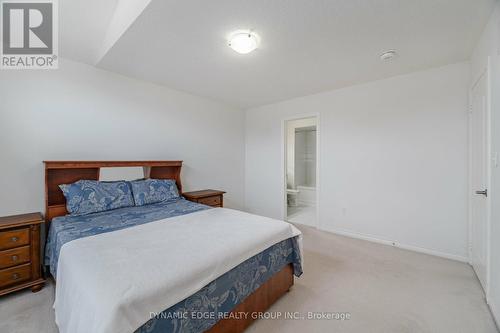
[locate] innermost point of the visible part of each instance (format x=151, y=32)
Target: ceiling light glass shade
x=243, y=42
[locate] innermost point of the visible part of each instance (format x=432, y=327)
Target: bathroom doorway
x=301, y=170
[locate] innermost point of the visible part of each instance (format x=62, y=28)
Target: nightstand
x=212, y=198
x=20, y=265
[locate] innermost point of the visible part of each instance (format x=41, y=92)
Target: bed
x=175, y=266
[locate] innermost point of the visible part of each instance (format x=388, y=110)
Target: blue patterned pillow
x=150, y=191
x=91, y=196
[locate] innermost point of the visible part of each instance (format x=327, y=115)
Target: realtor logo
x=29, y=34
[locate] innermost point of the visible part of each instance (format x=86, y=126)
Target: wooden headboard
x=67, y=172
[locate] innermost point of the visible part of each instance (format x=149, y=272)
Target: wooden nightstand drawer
x=14, y=257
x=15, y=275
x=211, y=201
x=14, y=238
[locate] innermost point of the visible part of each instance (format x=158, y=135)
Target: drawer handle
x=15, y=276
x=14, y=258
x=14, y=239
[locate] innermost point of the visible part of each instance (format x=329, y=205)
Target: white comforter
x=111, y=282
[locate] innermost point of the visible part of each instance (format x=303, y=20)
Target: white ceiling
x=307, y=46
x=81, y=27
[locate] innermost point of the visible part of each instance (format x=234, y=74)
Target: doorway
x=479, y=179
x=301, y=165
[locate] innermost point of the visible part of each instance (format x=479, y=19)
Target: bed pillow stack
x=90, y=196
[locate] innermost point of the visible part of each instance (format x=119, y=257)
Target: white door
x=479, y=174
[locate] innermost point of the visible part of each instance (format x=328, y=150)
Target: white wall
x=82, y=113
x=489, y=46
x=393, y=159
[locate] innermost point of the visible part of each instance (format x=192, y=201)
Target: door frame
x=284, y=127
x=485, y=72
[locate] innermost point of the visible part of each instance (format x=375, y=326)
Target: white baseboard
x=396, y=244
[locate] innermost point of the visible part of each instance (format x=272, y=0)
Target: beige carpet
x=384, y=289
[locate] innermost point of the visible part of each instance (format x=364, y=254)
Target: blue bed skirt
x=215, y=301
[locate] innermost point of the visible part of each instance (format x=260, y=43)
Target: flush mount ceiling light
x=388, y=55
x=243, y=42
